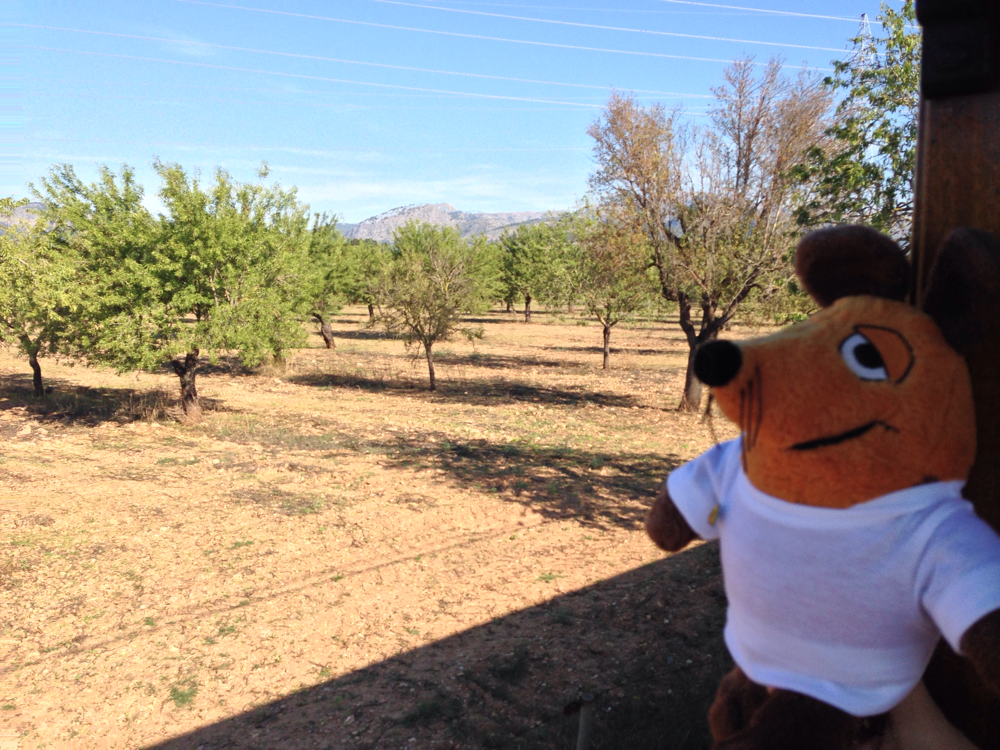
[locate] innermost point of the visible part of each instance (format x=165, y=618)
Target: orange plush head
x=865, y=398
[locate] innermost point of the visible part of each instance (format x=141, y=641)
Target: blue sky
x=365, y=105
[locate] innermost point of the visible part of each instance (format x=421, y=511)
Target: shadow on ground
x=647, y=644
x=68, y=403
x=479, y=393
x=602, y=489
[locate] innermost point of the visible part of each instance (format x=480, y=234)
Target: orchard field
x=336, y=557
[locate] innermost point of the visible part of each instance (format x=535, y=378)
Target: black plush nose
x=717, y=362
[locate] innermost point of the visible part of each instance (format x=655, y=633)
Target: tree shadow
x=491, y=392
x=599, y=489
x=365, y=334
x=69, y=403
x=647, y=644
x=615, y=351
x=504, y=362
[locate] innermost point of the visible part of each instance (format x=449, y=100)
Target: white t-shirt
x=845, y=605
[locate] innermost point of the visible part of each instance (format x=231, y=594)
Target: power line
x=301, y=152
x=348, y=62
x=258, y=89
x=605, y=28
x=760, y=10
x=478, y=36
x=320, y=105
x=772, y=12
x=308, y=77
x=593, y=10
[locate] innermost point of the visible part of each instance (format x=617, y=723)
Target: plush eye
x=863, y=358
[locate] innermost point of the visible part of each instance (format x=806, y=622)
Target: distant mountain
x=381, y=227
x=23, y=215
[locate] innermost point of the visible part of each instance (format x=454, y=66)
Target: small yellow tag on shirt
x=713, y=516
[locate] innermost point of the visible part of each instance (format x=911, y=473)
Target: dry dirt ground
x=336, y=557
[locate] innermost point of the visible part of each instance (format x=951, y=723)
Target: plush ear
x=851, y=260
x=963, y=291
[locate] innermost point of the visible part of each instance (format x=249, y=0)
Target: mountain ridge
x=381, y=226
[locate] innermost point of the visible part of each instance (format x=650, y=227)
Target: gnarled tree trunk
x=430, y=365
x=326, y=331
x=709, y=330
x=186, y=371
x=607, y=345
x=527, y=308
x=31, y=349
x=371, y=311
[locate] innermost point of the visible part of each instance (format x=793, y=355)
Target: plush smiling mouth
x=822, y=442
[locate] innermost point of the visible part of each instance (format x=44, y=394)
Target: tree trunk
x=709, y=330
x=527, y=308
x=510, y=305
x=430, y=365
x=371, y=311
x=607, y=345
x=326, y=331
x=186, y=371
x=691, y=400
x=36, y=374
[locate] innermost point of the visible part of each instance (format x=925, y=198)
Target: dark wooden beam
x=958, y=147
x=958, y=185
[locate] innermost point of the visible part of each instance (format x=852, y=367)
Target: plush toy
x=847, y=549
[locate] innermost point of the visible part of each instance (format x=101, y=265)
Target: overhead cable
x=606, y=28
x=309, y=77
x=479, y=36
x=304, y=152
x=772, y=12
x=347, y=62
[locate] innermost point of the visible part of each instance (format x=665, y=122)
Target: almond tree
x=433, y=278
x=530, y=259
x=37, y=289
x=612, y=261
x=326, y=274
x=715, y=204
x=221, y=271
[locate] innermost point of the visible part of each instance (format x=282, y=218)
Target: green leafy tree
x=221, y=271
x=9, y=203
x=37, y=287
x=530, y=264
x=365, y=260
x=866, y=174
x=611, y=259
x=434, y=277
x=327, y=274
x=103, y=230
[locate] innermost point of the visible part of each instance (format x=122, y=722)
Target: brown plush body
x=820, y=433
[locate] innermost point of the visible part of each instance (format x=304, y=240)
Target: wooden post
x=958, y=184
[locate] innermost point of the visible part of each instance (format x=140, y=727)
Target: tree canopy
x=433, y=278
x=220, y=271
x=866, y=174
x=714, y=203
x=531, y=262
x=611, y=260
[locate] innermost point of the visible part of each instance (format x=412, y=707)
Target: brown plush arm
x=665, y=524
x=981, y=646
x=792, y=721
